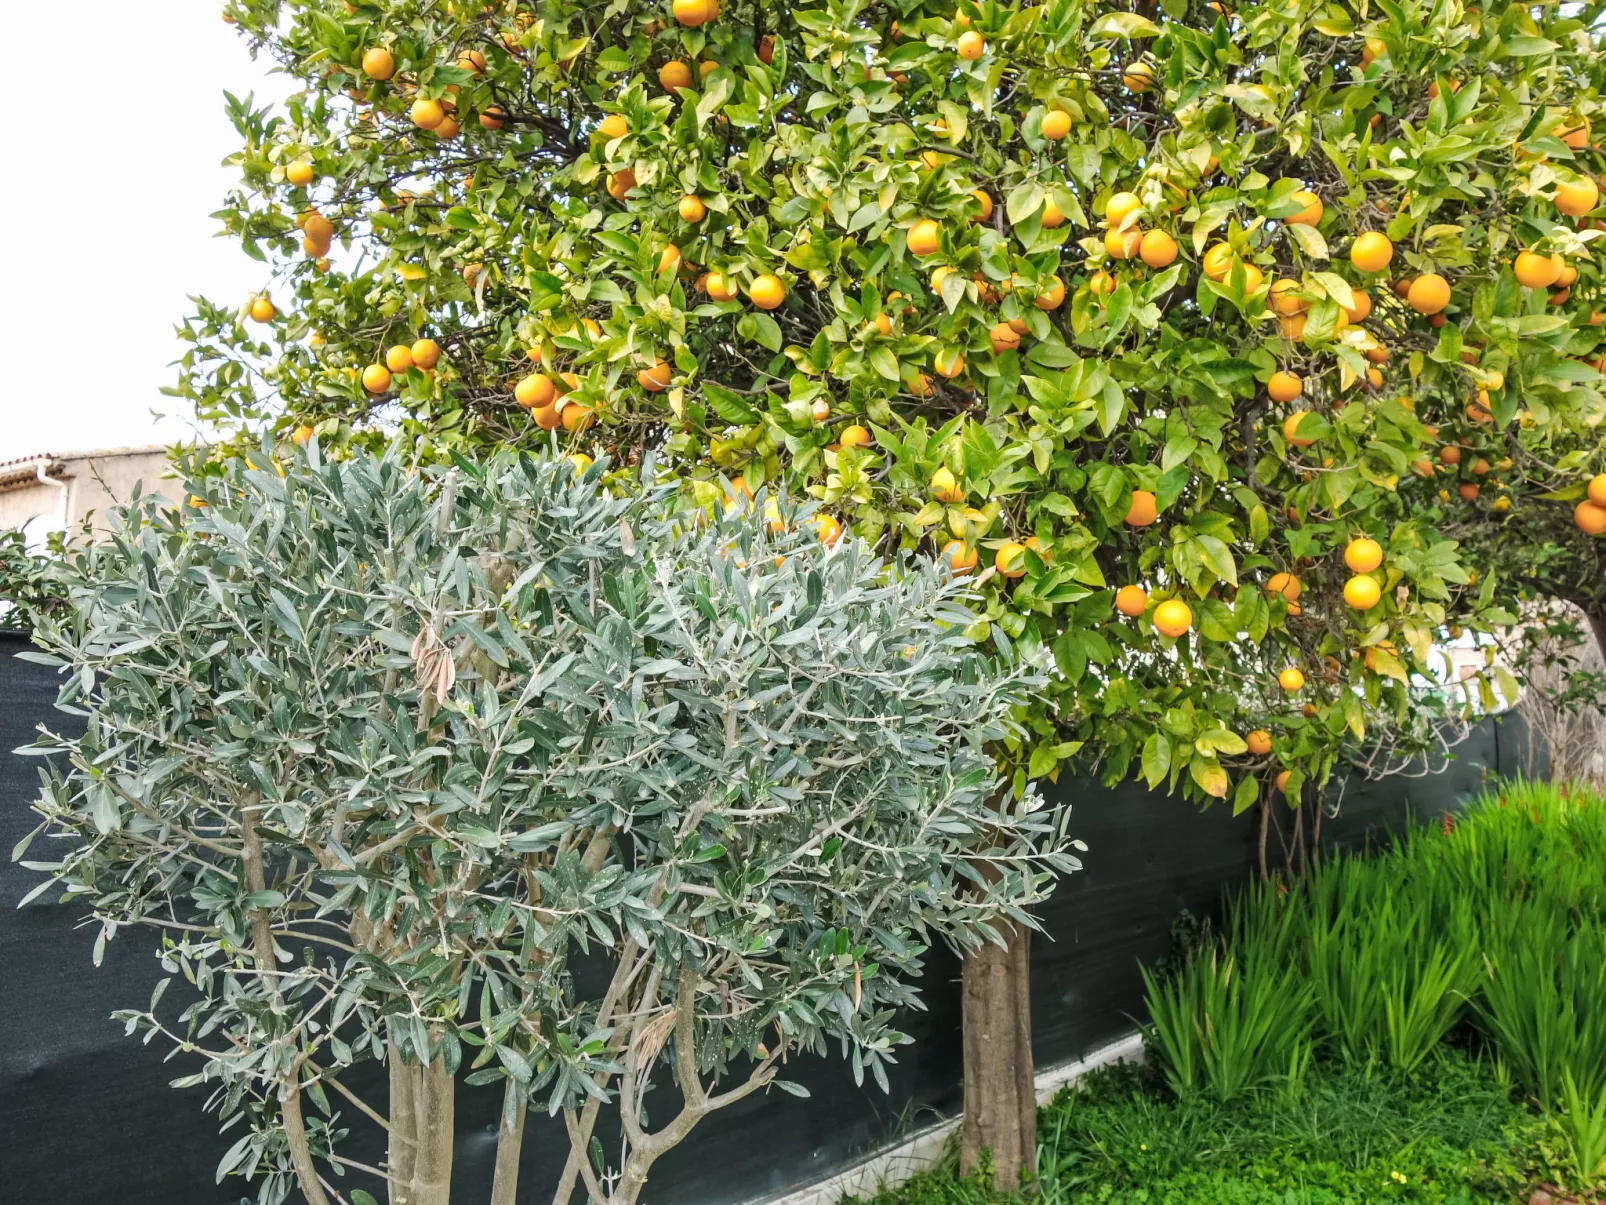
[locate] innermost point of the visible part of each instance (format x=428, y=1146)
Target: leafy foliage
x=406, y=765
x=1449, y=1134
x=856, y=248
x=27, y=581
x=1496, y=918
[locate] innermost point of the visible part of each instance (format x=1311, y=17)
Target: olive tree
x=398, y=761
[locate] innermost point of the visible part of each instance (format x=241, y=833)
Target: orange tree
x=1127, y=311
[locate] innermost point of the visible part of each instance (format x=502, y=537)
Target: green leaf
x=1210, y=775
x=1246, y=795
x=1156, y=758
x=728, y=405
x=761, y=329
x=1123, y=25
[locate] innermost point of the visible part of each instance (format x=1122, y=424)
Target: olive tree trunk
x=1000, y=1092
x=423, y=1105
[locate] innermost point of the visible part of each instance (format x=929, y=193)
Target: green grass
x=1426, y=1025
x=1450, y=1132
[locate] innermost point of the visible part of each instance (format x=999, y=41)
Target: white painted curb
x=892, y=1166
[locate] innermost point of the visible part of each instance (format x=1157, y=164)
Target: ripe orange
x=426, y=353
x=971, y=45
x=1371, y=252
x=399, y=358
x=302, y=434
x=1284, y=387
x=376, y=378
x=1139, y=77
x=1158, y=249
x=1362, y=592
x=534, y=391
x=1004, y=338
x=299, y=173
x=449, y=127
x=262, y=310
x=692, y=210
x=923, y=237
x=766, y=292
x=1597, y=489
x=853, y=436
x=547, y=418
x=1285, y=584
x=674, y=74
x=1535, y=271
x=577, y=418
x=1058, y=124
x=1051, y=297
x=378, y=63
x=1429, y=293
x=1311, y=214
x=1101, y=284
x=1131, y=601
x=1051, y=218
x=427, y=114
x=613, y=126
x=827, y=529
x=961, y=560
x=1119, y=206
x=1574, y=132
x=691, y=12
x=720, y=287
x=1259, y=742
x=1123, y=244
x=620, y=183
x=1173, y=618
x=1291, y=425
x=1363, y=554
x=944, y=487
x=985, y=200
x=1284, y=297
x=669, y=261
x=471, y=60
x=1010, y=560
x=1218, y=262
x=949, y=363
x=1291, y=679
x=1590, y=517
x=1282, y=781
x=1576, y=199
x=655, y=379
x=1142, y=511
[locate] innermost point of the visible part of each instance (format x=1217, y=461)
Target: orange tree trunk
x=1000, y=1097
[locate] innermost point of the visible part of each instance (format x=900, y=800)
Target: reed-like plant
x=1498, y=918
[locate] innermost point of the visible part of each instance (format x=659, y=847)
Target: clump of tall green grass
x=1493, y=924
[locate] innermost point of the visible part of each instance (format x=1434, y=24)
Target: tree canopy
x=1151, y=317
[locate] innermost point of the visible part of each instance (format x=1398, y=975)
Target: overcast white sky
x=109, y=184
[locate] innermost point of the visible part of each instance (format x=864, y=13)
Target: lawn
x=1425, y=1025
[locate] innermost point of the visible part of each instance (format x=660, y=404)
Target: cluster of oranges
x=422, y=354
